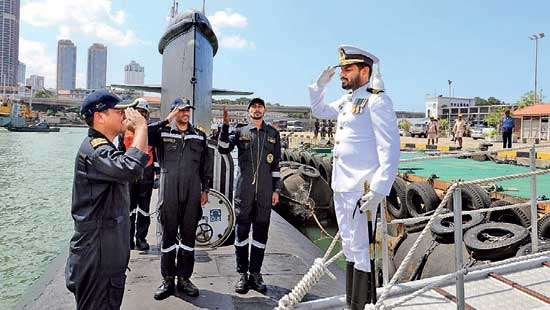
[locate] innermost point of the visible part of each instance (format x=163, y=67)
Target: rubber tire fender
x=308, y=172
x=305, y=157
x=397, y=199
x=284, y=155
x=443, y=228
x=471, y=199
x=498, y=250
x=543, y=227
x=425, y=192
x=294, y=156
x=518, y=216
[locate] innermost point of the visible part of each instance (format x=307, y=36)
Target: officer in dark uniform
x=185, y=177
x=141, y=189
x=256, y=191
x=99, y=249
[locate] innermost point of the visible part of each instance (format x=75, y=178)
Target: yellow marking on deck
x=508, y=154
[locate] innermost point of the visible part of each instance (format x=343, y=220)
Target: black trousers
x=96, y=267
x=256, y=216
x=179, y=218
x=140, y=201
x=507, y=139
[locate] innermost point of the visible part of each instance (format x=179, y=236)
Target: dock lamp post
x=536, y=38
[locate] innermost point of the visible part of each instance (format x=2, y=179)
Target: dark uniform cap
x=256, y=101
x=180, y=103
x=97, y=101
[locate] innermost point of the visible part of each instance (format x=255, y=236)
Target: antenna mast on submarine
x=203, y=10
x=174, y=9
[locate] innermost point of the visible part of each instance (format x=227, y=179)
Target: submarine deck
x=289, y=255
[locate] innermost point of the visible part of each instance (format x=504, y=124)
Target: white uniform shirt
x=366, y=144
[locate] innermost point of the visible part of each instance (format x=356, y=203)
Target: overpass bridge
x=73, y=103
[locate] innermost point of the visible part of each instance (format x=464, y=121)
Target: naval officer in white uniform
x=366, y=150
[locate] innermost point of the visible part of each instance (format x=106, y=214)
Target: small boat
x=38, y=127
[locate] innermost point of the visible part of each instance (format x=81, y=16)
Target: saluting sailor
x=100, y=249
x=185, y=179
x=366, y=150
x=257, y=190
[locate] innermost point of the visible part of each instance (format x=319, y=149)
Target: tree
x=528, y=99
x=43, y=93
x=489, y=101
x=444, y=124
x=494, y=101
x=480, y=101
x=404, y=124
x=493, y=119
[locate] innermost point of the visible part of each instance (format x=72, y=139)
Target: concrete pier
x=289, y=255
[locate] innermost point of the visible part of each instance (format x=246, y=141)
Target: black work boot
x=349, y=282
x=361, y=292
x=256, y=282
x=185, y=286
x=142, y=245
x=242, y=285
x=166, y=289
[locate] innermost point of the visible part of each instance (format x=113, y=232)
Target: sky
x=277, y=48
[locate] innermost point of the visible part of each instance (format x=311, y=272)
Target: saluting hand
x=172, y=115
x=325, y=77
x=275, y=199
x=225, y=116
x=135, y=118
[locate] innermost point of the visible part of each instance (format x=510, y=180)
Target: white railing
x=321, y=265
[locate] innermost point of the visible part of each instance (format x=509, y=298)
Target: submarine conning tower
x=188, y=47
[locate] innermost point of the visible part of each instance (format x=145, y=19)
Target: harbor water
x=36, y=172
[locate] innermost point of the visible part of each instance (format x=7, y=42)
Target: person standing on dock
x=366, y=150
x=316, y=129
x=433, y=131
x=257, y=190
x=507, y=127
x=141, y=189
x=459, y=130
x=99, y=249
x=330, y=127
x=185, y=179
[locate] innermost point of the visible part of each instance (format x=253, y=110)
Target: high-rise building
x=97, y=67
x=66, y=65
x=21, y=73
x=9, y=42
x=134, y=74
x=36, y=82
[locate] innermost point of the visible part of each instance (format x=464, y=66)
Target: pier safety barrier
x=320, y=265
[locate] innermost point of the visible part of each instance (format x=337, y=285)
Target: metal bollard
x=534, y=217
x=459, y=264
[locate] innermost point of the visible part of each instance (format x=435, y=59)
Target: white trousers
x=353, y=230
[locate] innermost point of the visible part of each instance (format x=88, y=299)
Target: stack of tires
x=322, y=163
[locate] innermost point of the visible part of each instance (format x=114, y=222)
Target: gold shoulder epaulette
x=98, y=142
x=374, y=91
